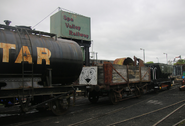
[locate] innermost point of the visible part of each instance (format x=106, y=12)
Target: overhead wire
x=58, y=8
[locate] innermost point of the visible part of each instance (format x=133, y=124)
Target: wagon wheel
x=112, y=98
x=59, y=107
x=93, y=96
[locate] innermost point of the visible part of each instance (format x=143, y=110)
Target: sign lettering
x=43, y=53
x=70, y=25
x=6, y=48
x=73, y=26
x=25, y=55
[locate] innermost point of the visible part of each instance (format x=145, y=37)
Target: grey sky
x=119, y=28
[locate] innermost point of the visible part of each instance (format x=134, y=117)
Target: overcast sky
x=119, y=28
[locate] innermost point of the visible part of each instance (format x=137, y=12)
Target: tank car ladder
x=26, y=41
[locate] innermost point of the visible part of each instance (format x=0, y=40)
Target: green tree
x=181, y=61
x=149, y=62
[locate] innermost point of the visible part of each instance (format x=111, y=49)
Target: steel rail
x=179, y=122
x=168, y=115
x=111, y=112
x=148, y=113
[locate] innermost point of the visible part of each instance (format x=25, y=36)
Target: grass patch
x=183, y=122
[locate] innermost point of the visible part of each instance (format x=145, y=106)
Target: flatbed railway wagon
x=118, y=82
x=37, y=69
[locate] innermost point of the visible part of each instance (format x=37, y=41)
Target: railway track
x=78, y=115
x=145, y=114
x=89, y=120
x=170, y=115
x=36, y=117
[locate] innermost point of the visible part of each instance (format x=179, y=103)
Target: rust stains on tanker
x=24, y=55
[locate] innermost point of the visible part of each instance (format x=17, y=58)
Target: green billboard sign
x=70, y=25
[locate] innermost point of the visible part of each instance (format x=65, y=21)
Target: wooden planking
x=100, y=81
x=134, y=74
x=133, y=71
x=145, y=74
x=100, y=75
x=122, y=70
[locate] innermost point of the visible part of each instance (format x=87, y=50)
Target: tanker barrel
x=21, y=48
